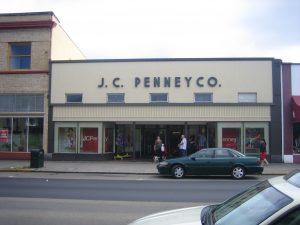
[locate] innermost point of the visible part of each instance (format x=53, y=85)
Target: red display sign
x=229, y=139
x=4, y=135
x=89, y=140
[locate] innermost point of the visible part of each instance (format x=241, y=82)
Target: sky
x=122, y=29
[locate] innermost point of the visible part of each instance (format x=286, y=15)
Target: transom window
x=20, y=56
x=159, y=97
x=74, y=98
x=247, y=97
x=203, y=97
x=21, y=103
x=116, y=98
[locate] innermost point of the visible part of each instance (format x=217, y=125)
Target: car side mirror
x=193, y=158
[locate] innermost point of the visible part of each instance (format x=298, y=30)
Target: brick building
x=28, y=41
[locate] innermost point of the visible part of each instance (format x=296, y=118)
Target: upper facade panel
x=175, y=81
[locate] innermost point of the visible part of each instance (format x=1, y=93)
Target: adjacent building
x=291, y=112
x=28, y=41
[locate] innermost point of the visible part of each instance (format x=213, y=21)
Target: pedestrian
x=157, y=149
x=192, y=145
x=263, y=153
x=202, y=140
x=182, y=146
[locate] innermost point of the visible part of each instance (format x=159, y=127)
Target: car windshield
x=236, y=153
x=251, y=206
x=294, y=178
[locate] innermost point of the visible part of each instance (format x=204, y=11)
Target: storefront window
x=5, y=134
x=296, y=133
x=109, y=137
x=19, y=139
x=124, y=138
x=35, y=136
x=253, y=137
x=231, y=138
x=67, y=139
x=89, y=140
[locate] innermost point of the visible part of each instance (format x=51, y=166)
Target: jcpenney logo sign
x=165, y=82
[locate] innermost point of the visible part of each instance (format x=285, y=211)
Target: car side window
x=204, y=153
x=222, y=153
x=292, y=218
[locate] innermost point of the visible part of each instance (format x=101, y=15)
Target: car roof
x=283, y=185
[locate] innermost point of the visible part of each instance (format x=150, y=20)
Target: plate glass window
x=203, y=97
x=20, y=56
x=159, y=97
x=247, y=97
x=115, y=98
x=74, y=98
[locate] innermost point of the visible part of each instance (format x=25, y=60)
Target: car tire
x=178, y=171
x=238, y=172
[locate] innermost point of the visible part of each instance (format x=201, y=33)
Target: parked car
x=212, y=161
x=272, y=202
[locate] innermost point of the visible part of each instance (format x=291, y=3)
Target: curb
x=35, y=170
x=16, y=170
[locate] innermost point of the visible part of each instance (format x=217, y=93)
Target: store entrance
x=198, y=136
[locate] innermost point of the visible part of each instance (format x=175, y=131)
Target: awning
x=296, y=108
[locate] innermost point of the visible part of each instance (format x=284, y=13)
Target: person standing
x=157, y=148
x=182, y=146
x=263, y=153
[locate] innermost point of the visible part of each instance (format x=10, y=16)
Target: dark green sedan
x=212, y=161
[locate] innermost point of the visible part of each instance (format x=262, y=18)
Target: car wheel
x=178, y=171
x=238, y=172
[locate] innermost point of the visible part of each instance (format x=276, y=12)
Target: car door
x=223, y=161
x=200, y=162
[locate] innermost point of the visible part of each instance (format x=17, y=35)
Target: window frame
x=247, y=94
x=115, y=94
x=10, y=56
x=73, y=94
x=157, y=94
x=205, y=93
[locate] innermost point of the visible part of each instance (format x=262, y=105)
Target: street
x=44, y=198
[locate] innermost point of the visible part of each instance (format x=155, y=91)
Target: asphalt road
x=48, y=199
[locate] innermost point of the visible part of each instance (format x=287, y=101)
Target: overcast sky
x=176, y=28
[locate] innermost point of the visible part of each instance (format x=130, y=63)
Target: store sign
x=165, y=82
x=3, y=135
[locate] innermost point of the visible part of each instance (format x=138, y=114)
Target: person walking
x=157, y=148
x=182, y=146
x=263, y=153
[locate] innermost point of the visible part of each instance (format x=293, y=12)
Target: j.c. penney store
x=100, y=108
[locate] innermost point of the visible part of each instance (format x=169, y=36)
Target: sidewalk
x=112, y=166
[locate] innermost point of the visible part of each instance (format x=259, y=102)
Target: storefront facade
x=291, y=112
x=28, y=41
x=105, y=107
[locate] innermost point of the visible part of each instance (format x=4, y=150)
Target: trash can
x=37, y=158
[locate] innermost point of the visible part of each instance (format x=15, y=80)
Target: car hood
x=184, y=216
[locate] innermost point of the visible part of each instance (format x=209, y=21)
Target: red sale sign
x=4, y=135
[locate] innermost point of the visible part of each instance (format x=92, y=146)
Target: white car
x=274, y=202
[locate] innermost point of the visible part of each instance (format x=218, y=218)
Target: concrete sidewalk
x=113, y=166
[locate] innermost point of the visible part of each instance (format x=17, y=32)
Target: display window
x=253, y=136
x=124, y=138
x=5, y=134
x=231, y=138
x=296, y=139
x=89, y=140
x=109, y=140
x=67, y=139
x=21, y=134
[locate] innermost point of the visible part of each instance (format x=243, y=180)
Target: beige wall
x=233, y=77
x=62, y=47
